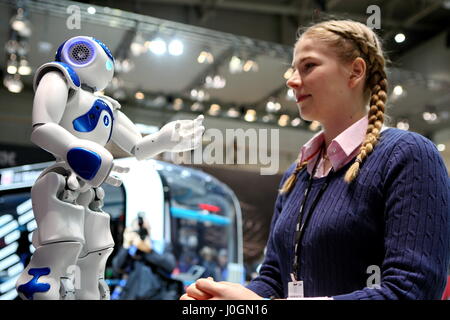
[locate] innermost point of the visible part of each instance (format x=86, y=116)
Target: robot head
x=90, y=58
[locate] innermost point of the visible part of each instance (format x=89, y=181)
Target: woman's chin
x=304, y=114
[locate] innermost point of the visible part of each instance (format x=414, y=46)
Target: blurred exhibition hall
x=208, y=212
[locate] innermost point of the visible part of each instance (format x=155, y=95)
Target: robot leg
x=58, y=240
x=98, y=246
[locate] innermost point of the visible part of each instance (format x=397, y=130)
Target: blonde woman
x=364, y=212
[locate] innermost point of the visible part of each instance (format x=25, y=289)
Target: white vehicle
x=186, y=209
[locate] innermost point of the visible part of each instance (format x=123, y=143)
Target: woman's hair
x=350, y=40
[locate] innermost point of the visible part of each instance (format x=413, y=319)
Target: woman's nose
x=294, y=80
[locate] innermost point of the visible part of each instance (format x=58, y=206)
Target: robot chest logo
x=33, y=286
x=88, y=121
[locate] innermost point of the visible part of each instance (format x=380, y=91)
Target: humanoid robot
x=74, y=122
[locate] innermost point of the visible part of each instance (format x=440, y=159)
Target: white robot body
x=73, y=238
x=86, y=116
x=93, y=120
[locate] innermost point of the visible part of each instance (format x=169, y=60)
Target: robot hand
x=181, y=135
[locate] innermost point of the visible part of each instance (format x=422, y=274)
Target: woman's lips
x=302, y=97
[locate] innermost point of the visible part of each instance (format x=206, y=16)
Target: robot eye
x=81, y=52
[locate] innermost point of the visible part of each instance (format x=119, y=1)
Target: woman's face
x=320, y=81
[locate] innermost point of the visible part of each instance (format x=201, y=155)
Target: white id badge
x=295, y=290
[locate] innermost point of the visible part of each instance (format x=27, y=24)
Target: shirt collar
x=341, y=149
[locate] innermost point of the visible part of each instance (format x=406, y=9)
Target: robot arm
x=89, y=160
x=176, y=136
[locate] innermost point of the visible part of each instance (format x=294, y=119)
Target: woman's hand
x=208, y=289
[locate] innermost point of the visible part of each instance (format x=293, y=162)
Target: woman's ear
x=357, y=72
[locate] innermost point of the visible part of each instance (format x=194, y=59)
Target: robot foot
x=48, y=275
x=92, y=274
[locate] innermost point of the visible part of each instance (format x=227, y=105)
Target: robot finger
x=199, y=119
x=119, y=169
x=113, y=181
x=199, y=131
x=72, y=182
x=195, y=133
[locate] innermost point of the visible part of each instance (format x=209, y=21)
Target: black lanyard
x=300, y=227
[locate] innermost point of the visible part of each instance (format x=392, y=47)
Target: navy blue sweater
x=394, y=216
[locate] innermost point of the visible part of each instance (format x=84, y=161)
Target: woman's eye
x=308, y=66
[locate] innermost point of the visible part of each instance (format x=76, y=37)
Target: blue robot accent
x=58, y=52
x=84, y=162
x=107, y=51
x=33, y=286
x=88, y=121
x=73, y=75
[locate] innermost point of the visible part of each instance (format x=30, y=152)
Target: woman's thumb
x=207, y=285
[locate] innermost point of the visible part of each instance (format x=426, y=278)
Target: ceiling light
x=197, y=106
x=441, y=147
x=430, y=116
x=398, y=90
x=176, y=47
x=11, y=66
x=125, y=65
x=235, y=65
x=158, y=46
x=283, y=120
x=290, y=95
x=205, y=57
x=268, y=118
x=314, y=126
x=250, y=115
x=403, y=125
x=13, y=83
x=91, y=10
x=273, y=106
x=214, y=109
x=400, y=37
x=20, y=24
x=250, y=65
x=296, y=122
x=199, y=95
x=24, y=68
x=233, y=113
x=177, y=104
x=215, y=82
x=137, y=48
x=288, y=73
x=139, y=95
x=12, y=46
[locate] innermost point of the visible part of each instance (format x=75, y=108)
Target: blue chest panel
x=31, y=287
x=88, y=121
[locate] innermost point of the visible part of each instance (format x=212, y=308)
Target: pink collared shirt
x=341, y=150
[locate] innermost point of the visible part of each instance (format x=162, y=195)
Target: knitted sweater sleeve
x=268, y=283
x=417, y=225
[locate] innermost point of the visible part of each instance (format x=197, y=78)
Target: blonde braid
x=290, y=182
x=376, y=79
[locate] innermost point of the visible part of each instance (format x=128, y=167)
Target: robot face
x=91, y=60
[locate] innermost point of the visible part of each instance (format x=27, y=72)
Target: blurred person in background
x=145, y=274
